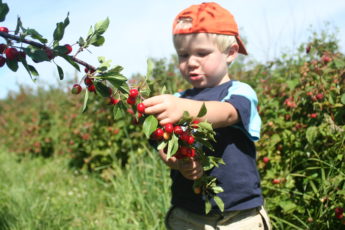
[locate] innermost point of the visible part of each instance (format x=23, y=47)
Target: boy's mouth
x=194, y=76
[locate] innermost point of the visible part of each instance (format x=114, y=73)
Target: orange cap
x=209, y=17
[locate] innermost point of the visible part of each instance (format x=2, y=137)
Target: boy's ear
x=232, y=53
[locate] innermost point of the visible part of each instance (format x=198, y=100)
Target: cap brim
x=242, y=48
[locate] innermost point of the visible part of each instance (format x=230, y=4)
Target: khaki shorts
x=250, y=219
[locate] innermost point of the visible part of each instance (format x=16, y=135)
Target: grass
x=44, y=194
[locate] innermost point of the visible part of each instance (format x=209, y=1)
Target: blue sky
x=140, y=29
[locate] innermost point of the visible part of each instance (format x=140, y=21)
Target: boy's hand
x=167, y=108
x=190, y=168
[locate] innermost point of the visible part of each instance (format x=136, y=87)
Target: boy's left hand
x=167, y=108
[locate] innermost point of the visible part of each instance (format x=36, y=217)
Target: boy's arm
x=169, y=109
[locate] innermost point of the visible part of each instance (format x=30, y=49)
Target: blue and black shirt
x=235, y=144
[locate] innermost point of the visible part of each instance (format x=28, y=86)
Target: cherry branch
x=42, y=46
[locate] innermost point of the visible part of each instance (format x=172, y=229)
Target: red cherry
x=313, y=115
x=266, y=160
x=141, y=108
x=88, y=81
x=69, y=48
x=91, y=88
x=2, y=61
x=184, y=137
x=131, y=100
x=3, y=47
x=276, y=181
x=11, y=53
x=158, y=134
x=133, y=93
x=4, y=29
x=111, y=101
x=169, y=128
x=319, y=96
x=76, y=89
x=178, y=130
x=191, y=152
x=190, y=140
x=184, y=150
x=195, y=124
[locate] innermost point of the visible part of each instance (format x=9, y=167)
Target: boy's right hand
x=190, y=168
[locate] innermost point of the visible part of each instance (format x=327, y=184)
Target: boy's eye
x=183, y=55
x=203, y=54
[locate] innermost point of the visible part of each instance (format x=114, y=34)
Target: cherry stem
x=42, y=46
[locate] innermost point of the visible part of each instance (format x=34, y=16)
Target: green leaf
x=97, y=40
x=217, y=189
x=208, y=206
x=33, y=70
x=85, y=101
x=60, y=71
x=102, y=89
x=60, y=30
x=292, y=84
x=202, y=111
x=150, y=125
x=287, y=206
x=149, y=71
x=172, y=146
x=3, y=11
x=81, y=42
x=35, y=35
x=37, y=55
x=102, y=26
x=12, y=64
x=70, y=60
x=219, y=203
x=19, y=25
x=162, y=145
x=343, y=99
x=311, y=134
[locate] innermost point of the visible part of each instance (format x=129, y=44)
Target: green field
x=43, y=194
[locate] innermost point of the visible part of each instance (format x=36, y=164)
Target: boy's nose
x=193, y=61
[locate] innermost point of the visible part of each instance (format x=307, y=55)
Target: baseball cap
x=208, y=17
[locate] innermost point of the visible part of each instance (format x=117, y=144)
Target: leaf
x=3, y=11
x=102, y=26
x=217, y=189
x=292, y=84
x=12, y=64
x=60, y=71
x=150, y=125
x=219, y=203
x=33, y=70
x=37, y=55
x=85, y=101
x=162, y=145
x=202, y=111
x=70, y=60
x=311, y=134
x=19, y=25
x=60, y=30
x=172, y=146
x=149, y=71
x=81, y=42
x=208, y=206
x=343, y=99
x=97, y=40
x=102, y=89
x=287, y=206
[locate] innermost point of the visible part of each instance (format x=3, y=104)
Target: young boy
x=206, y=40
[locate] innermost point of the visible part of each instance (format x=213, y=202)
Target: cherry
x=178, y=130
x=266, y=160
x=276, y=181
x=2, y=61
x=91, y=88
x=190, y=140
x=197, y=190
x=313, y=115
x=76, y=89
x=111, y=101
x=4, y=29
x=88, y=81
x=131, y=100
x=191, y=152
x=11, y=53
x=319, y=96
x=3, y=47
x=141, y=108
x=69, y=48
x=158, y=134
x=195, y=124
x=166, y=136
x=169, y=128
x=133, y=93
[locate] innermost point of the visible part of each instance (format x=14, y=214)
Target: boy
x=206, y=40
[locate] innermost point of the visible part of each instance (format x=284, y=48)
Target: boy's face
x=201, y=62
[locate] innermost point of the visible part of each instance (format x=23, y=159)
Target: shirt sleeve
x=244, y=99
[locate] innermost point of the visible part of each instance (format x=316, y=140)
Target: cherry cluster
x=15, y=54
x=186, y=139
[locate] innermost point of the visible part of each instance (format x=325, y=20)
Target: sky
x=141, y=29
